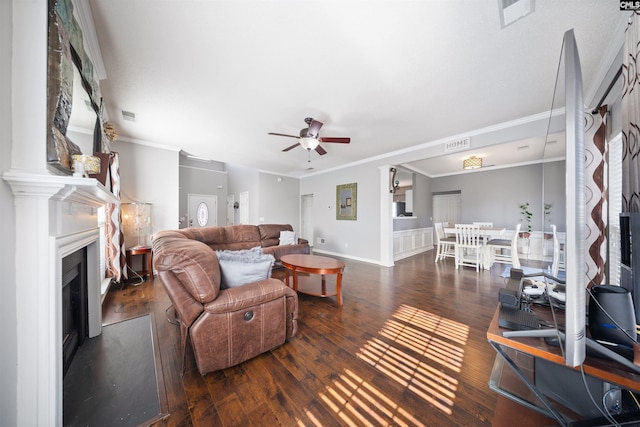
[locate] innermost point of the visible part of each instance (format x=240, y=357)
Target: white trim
x=340, y=255
x=493, y=128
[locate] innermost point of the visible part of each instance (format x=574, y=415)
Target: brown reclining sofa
x=226, y=326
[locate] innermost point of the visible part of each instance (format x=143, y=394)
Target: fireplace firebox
x=74, y=304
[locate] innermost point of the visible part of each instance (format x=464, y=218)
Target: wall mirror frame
x=346, y=202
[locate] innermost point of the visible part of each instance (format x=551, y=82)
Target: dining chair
x=484, y=224
x=446, y=246
x=496, y=250
x=469, y=246
x=558, y=253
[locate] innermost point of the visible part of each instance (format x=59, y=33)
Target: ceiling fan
x=310, y=139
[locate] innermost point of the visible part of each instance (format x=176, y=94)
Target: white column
x=386, y=220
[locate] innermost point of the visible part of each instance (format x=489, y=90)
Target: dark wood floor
x=408, y=347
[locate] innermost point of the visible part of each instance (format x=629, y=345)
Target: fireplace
x=56, y=216
x=74, y=305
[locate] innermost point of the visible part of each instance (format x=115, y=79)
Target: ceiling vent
x=128, y=115
x=512, y=10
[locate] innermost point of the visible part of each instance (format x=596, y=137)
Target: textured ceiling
x=214, y=77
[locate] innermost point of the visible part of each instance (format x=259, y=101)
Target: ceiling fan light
x=472, y=162
x=309, y=142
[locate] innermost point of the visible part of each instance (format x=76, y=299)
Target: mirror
x=70, y=92
x=346, y=201
x=83, y=117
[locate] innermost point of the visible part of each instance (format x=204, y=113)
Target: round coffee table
x=314, y=264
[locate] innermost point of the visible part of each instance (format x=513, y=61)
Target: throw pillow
x=287, y=238
x=238, y=268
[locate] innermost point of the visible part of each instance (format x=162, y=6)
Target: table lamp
x=136, y=220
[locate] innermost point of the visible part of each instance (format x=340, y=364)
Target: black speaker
x=611, y=314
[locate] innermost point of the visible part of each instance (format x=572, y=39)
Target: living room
x=150, y=173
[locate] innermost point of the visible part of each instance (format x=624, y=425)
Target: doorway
x=306, y=231
x=231, y=214
x=203, y=210
x=447, y=206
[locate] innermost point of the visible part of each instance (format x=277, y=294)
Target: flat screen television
x=574, y=335
x=575, y=311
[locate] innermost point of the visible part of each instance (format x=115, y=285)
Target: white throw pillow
x=287, y=238
x=238, y=268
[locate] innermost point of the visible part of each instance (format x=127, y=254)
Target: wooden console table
x=514, y=373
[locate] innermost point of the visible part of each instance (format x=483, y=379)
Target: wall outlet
x=320, y=240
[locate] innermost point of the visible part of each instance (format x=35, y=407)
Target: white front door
x=203, y=210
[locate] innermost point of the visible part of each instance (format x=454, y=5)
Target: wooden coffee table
x=314, y=264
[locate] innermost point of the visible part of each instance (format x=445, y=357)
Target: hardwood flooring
x=408, y=347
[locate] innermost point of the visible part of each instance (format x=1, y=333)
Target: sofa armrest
x=302, y=241
x=245, y=296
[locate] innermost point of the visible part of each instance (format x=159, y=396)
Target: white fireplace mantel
x=86, y=191
x=54, y=215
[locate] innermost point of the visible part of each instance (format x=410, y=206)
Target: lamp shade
x=309, y=142
x=472, y=162
x=136, y=220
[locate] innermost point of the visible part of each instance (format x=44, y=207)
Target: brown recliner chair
x=226, y=326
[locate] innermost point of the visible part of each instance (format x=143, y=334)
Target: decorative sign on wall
x=457, y=145
x=346, y=196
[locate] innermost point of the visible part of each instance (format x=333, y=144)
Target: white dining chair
x=496, y=250
x=484, y=224
x=469, y=246
x=446, y=246
x=558, y=253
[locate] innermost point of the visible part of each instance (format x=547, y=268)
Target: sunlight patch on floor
x=420, y=351
x=357, y=403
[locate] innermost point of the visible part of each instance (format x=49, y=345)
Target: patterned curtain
x=596, y=196
x=115, y=253
x=631, y=117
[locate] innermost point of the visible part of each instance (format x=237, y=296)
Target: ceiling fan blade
x=293, y=146
x=320, y=150
x=340, y=140
x=282, y=134
x=314, y=128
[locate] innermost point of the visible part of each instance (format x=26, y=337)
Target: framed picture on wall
x=346, y=201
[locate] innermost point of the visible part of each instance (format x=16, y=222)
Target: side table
x=147, y=261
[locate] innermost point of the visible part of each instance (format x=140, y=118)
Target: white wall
x=495, y=194
x=279, y=200
x=8, y=314
x=200, y=179
x=150, y=175
x=243, y=179
x=358, y=239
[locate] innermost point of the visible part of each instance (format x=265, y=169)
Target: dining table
x=487, y=233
